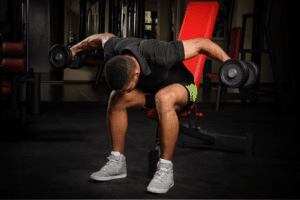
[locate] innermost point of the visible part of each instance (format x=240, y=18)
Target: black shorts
x=188, y=85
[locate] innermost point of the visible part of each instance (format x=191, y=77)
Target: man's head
x=121, y=73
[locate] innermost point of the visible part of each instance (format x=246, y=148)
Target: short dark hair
x=119, y=71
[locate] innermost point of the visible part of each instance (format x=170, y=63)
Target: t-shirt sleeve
x=115, y=45
x=109, y=50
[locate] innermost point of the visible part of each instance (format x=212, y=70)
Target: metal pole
x=218, y=97
x=130, y=17
x=98, y=76
x=110, y=17
x=23, y=114
x=27, y=38
x=231, y=7
x=29, y=87
x=115, y=18
x=122, y=19
x=14, y=19
x=82, y=33
x=243, y=36
x=137, y=14
x=134, y=18
x=22, y=39
x=101, y=16
x=271, y=49
x=15, y=94
x=141, y=19
x=36, y=94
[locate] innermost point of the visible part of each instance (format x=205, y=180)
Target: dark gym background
x=52, y=155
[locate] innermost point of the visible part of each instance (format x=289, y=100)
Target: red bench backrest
x=198, y=22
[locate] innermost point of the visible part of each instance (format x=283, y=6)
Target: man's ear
x=137, y=72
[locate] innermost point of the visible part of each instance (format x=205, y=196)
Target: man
x=144, y=74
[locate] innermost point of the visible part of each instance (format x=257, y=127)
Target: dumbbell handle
x=232, y=73
x=58, y=56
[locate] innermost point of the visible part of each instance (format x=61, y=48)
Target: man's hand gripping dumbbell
x=62, y=57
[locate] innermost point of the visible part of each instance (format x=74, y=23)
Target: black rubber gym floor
x=53, y=155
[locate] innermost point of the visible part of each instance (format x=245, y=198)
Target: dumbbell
x=60, y=57
x=235, y=73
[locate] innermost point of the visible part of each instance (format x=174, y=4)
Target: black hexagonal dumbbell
x=253, y=74
x=60, y=57
x=238, y=74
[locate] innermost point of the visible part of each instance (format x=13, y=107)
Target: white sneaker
x=163, y=179
x=115, y=168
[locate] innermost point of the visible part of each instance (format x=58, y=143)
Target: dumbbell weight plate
x=253, y=74
x=234, y=73
x=79, y=60
x=60, y=56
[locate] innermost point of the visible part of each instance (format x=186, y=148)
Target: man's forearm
x=95, y=41
x=198, y=46
x=213, y=51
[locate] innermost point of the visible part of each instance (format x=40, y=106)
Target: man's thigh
x=176, y=95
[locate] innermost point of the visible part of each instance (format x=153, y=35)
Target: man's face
x=132, y=84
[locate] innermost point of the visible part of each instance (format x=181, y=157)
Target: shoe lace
x=159, y=175
x=111, y=163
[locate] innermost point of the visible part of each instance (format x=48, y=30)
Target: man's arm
x=93, y=42
x=204, y=46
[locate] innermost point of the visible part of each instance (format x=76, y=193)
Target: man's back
x=161, y=62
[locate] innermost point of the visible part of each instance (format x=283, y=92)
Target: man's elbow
x=201, y=44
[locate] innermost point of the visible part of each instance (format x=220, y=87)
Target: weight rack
x=262, y=21
x=13, y=64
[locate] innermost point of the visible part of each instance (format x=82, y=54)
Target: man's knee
x=119, y=100
x=173, y=97
x=115, y=99
x=165, y=101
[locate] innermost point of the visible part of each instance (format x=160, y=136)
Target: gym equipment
x=14, y=66
x=235, y=39
x=97, y=63
x=71, y=35
x=100, y=18
x=13, y=50
x=135, y=18
x=60, y=56
x=261, y=25
x=79, y=60
x=6, y=87
x=234, y=73
x=253, y=74
x=199, y=22
x=238, y=74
